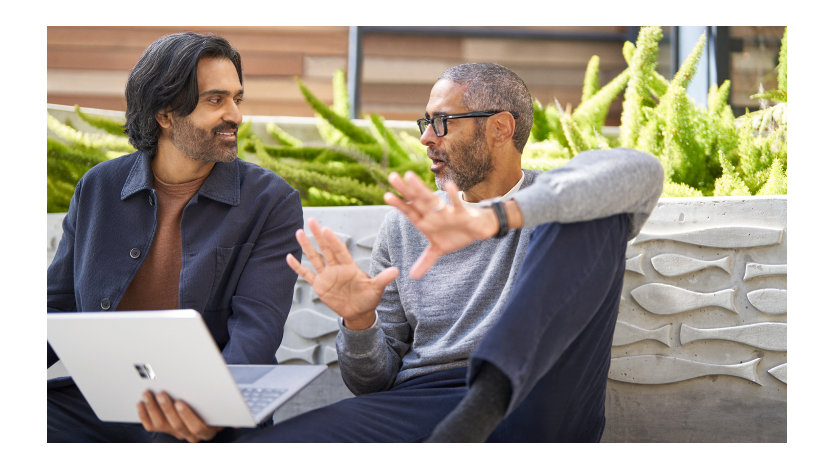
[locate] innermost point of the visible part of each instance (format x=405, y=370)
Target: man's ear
x=502, y=127
x=163, y=118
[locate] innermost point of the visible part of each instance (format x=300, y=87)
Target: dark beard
x=199, y=144
x=473, y=163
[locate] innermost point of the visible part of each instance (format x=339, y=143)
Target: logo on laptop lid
x=145, y=371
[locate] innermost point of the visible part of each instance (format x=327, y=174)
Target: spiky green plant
x=705, y=151
x=350, y=169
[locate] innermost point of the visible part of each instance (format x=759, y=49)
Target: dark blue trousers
x=69, y=418
x=553, y=341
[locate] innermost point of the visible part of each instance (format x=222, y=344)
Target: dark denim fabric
x=553, y=341
x=236, y=233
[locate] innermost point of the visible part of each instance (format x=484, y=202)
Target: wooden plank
x=391, y=70
x=400, y=93
x=559, y=53
x=411, y=46
x=272, y=88
x=313, y=40
x=100, y=58
x=86, y=82
x=323, y=66
x=272, y=64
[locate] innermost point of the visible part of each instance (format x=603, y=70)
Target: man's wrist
x=501, y=216
x=511, y=213
x=362, y=322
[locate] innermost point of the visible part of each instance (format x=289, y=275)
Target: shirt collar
x=222, y=184
x=487, y=202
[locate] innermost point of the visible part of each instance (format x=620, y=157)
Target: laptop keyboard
x=258, y=398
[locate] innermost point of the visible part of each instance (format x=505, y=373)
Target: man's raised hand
x=447, y=227
x=336, y=278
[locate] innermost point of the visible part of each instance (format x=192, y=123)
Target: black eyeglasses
x=438, y=121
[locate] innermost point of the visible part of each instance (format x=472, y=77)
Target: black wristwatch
x=501, y=214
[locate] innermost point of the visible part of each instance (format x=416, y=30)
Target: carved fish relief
x=780, y=372
x=719, y=237
x=655, y=369
x=676, y=265
x=769, y=336
x=330, y=355
x=635, y=264
x=770, y=301
x=626, y=333
x=367, y=242
x=665, y=299
x=311, y=324
x=285, y=354
x=755, y=270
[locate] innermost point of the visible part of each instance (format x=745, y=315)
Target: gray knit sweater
x=434, y=323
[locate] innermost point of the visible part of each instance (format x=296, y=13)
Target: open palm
x=336, y=278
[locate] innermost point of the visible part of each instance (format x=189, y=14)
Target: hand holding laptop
x=158, y=413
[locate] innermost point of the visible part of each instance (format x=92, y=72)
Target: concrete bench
x=700, y=348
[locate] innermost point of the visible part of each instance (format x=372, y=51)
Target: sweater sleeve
x=595, y=184
x=370, y=359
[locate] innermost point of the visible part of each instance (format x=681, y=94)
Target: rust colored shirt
x=156, y=284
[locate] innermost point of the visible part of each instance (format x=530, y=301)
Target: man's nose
x=428, y=136
x=232, y=113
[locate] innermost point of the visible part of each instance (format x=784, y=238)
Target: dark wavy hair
x=493, y=86
x=166, y=78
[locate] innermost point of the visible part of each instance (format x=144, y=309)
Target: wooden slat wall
x=399, y=70
x=89, y=65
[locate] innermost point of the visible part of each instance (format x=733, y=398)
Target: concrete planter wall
x=700, y=348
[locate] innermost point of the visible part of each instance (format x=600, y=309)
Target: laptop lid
x=114, y=357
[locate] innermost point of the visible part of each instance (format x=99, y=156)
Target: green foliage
x=705, y=151
x=70, y=153
x=350, y=169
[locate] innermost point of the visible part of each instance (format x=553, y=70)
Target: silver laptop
x=115, y=357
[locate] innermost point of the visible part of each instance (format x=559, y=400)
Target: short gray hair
x=495, y=87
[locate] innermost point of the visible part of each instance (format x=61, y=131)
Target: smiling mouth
x=227, y=135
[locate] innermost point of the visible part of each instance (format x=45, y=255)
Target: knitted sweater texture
x=434, y=323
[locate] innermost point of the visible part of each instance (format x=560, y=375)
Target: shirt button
x=134, y=253
x=105, y=304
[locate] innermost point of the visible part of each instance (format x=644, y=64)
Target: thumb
x=424, y=262
x=386, y=276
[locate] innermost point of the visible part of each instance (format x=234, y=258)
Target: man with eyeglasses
x=492, y=305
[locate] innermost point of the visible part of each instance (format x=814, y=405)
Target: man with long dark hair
x=181, y=223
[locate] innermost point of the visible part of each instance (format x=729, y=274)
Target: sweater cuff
x=368, y=332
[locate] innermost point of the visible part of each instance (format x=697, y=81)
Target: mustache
x=434, y=154
x=229, y=126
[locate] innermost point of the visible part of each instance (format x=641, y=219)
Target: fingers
x=308, y=248
x=415, y=191
x=386, y=276
x=299, y=269
x=333, y=251
x=424, y=262
x=155, y=418
x=158, y=413
x=195, y=425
